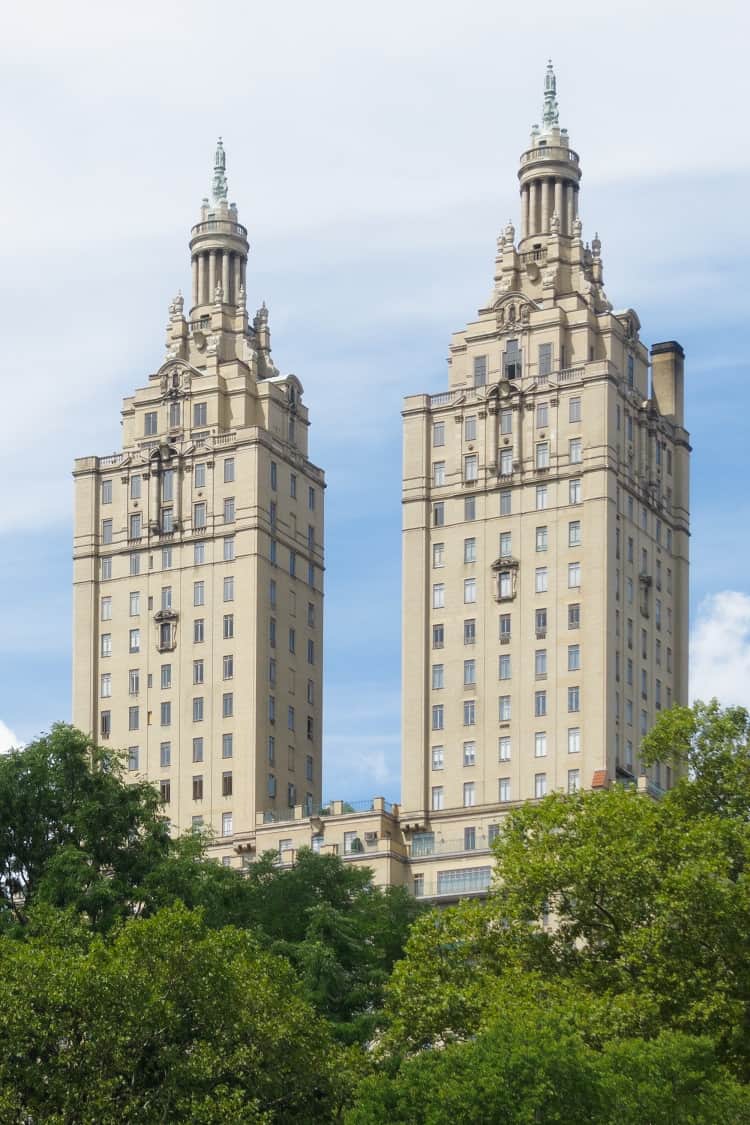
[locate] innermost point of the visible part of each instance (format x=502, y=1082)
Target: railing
x=569, y=374
x=113, y=459
x=224, y=439
x=420, y=848
x=200, y=322
x=452, y=883
x=550, y=152
x=220, y=226
x=538, y=254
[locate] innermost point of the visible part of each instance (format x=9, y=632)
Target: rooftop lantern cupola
x=549, y=174
x=218, y=247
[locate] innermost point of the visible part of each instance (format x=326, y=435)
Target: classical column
x=559, y=206
x=201, y=279
x=243, y=272
x=237, y=263
x=195, y=282
x=545, y=206
x=569, y=207
x=225, y=275
x=533, y=228
x=525, y=211
x=575, y=202
x=211, y=275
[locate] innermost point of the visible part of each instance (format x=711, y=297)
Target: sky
x=372, y=152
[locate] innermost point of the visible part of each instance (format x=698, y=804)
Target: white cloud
x=7, y=739
x=720, y=649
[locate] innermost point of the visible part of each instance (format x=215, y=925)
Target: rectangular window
x=506, y=422
x=470, y=427
x=150, y=426
x=226, y=784
x=541, y=580
x=540, y=704
x=541, y=497
x=311, y=652
x=541, y=539
x=293, y=485
x=166, y=597
x=198, y=631
x=574, y=658
x=542, y=455
x=470, y=673
x=574, y=699
x=197, y=787
x=133, y=757
x=438, y=514
x=438, y=636
x=438, y=677
x=438, y=758
x=227, y=827
x=228, y=548
x=165, y=714
x=504, y=708
x=470, y=590
x=540, y=785
x=574, y=740
x=134, y=681
x=503, y=788
x=105, y=685
x=470, y=550
x=438, y=717
x=198, y=749
x=438, y=433
x=437, y=797
x=229, y=509
x=506, y=462
x=574, y=410
x=470, y=839
x=106, y=569
x=106, y=609
x=505, y=544
x=438, y=555
x=174, y=414
x=198, y=709
x=106, y=492
x=505, y=501
x=504, y=626
x=198, y=671
x=540, y=663
x=574, y=781
x=574, y=616
x=228, y=470
x=199, y=554
x=575, y=451
x=199, y=593
x=165, y=754
x=134, y=640
x=309, y=767
x=540, y=744
x=106, y=644
x=540, y=622
x=438, y=474
x=199, y=514
x=574, y=575
x=106, y=531
x=167, y=520
x=542, y=415
x=503, y=749
x=199, y=475
x=229, y=589
x=470, y=794
x=504, y=667
x=470, y=712
x=470, y=753
x=166, y=677
x=133, y=718
x=438, y=595
x=512, y=360
x=471, y=467
x=470, y=508
x=480, y=370
x=574, y=491
x=105, y=724
x=274, y=475
x=574, y=533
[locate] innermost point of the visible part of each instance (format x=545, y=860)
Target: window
x=166, y=556
x=105, y=685
x=540, y=704
x=197, y=671
x=438, y=555
x=166, y=597
x=470, y=508
x=438, y=514
x=165, y=714
x=272, y=671
x=438, y=716
x=471, y=465
x=512, y=360
x=293, y=485
x=506, y=462
x=133, y=757
x=542, y=455
x=574, y=533
x=198, y=749
x=503, y=749
x=311, y=652
x=311, y=692
x=167, y=520
x=165, y=754
x=480, y=370
x=229, y=509
x=272, y=509
x=106, y=609
x=274, y=475
x=541, y=497
x=470, y=794
x=134, y=640
x=506, y=422
x=198, y=709
x=197, y=787
x=540, y=744
x=272, y=552
x=105, y=724
x=438, y=758
x=226, y=783
x=199, y=515
x=574, y=781
x=540, y=663
x=106, y=531
x=631, y=371
x=540, y=785
x=199, y=593
x=505, y=585
x=228, y=470
x=106, y=492
x=545, y=365
x=198, y=631
x=174, y=414
x=438, y=595
x=574, y=740
x=470, y=427
x=470, y=839
x=199, y=475
x=438, y=474
x=470, y=672
x=574, y=575
x=438, y=433
x=470, y=753
x=106, y=569
x=271, y=785
x=505, y=501
x=166, y=676
x=437, y=797
x=309, y=767
x=540, y=580
x=540, y=622
x=229, y=589
x=541, y=539
x=504, y=623
x=504, y=708
x=574, y=410
x=150, y=423
x=229, y=548
x=470, y=590
x=134, y=681
x=106, y=644
x=271, y=750
x=574, y=658
x=438, y=677
x=438, y=636
x=133, y=718
x=503, y=667
x=574, y=699
x=542, y=415
x=226, y=818
x=503, y=788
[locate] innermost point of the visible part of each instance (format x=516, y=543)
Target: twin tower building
x=545, y=560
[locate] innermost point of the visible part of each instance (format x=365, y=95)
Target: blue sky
x=373, y=157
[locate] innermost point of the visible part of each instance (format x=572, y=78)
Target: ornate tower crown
x=551, y=112
x=219, y=186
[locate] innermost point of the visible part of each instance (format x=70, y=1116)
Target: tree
x=166, y=1021
x=72, y=830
